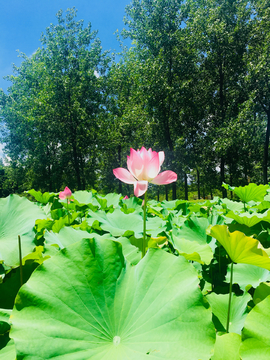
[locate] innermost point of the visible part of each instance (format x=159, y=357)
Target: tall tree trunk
x=266, y=147
x=198, y=183
x=77, y=167
x=222, y=175
x=83, y=180
x=186, y=187
x=231, y=182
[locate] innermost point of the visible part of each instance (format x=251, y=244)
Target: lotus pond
x=81, y=288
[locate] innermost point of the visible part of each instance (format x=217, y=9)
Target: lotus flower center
x=116, y=340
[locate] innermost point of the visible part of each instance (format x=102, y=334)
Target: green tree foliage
x=258, y=71
x=221, y=30
x=169, y=63
x=52, y=108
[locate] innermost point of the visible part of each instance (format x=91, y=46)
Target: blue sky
x=23, y=21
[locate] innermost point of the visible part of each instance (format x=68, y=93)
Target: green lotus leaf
x=17, y=217
x=113, y=199
x=155, y=226
x=194, y=229
x=262, y=206
x=86, y=302
x=134, y=203
x=131, y=252
x=170, y=205
x=5, y=314
x=177, y=220
x=8, y=352
x=238, y=313
x=36, y=256
x=118, y=223
x=233, y=205
x=241, y=248
x=251, y=192
x=261, y=292
x=201, y=253
x=65, y=237
x=256, y=333
x=227, y=347
x=249, y=219
x=5, y=343
x=43, y=198
x=68, y=236
x=247, y=275
x=84, y=197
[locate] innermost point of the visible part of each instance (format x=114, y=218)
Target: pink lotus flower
x=125, y=198
x=143, y=168
x=66, y=194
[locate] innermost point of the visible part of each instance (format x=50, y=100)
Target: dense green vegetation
x=194, y=83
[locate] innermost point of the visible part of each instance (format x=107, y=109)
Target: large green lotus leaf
x=134, y=203
x=68, y=236
x=84, y=197
x=241, y=248
x=86, y=302
x=251, y=192
x=130, y=252
x=177, y=220
x=194, y=229
x=247, y=275
x=112, y=199
x=155, y=226
x=249, y=219
x=8, y=352
x=233, y=205
x=185, y=246
x=227, y=347
x=100, y=216
x=256, y=333
x=65, y=237
x=17, y=217
x=169, y=205
x=238, y=313
x=117, y=223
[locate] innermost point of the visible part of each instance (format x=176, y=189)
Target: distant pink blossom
x=125, y=198
x=66, y=194
x=143, y=168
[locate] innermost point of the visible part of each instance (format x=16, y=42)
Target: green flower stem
x=144, y=225
x=230, y=299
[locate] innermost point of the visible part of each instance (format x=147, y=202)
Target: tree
x=221, y=30
x=258, y=70
x=53, y=108
x=155, y=26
